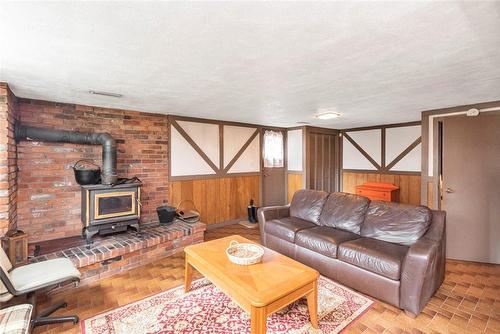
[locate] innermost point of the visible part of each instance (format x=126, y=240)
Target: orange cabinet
x=377, y=191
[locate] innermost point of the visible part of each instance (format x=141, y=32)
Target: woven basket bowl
x=244, y=253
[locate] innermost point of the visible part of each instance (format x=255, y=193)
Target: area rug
x=205, y=309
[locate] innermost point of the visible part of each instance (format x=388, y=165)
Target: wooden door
x=322, y=161
x=471, y=186
x=273, y=179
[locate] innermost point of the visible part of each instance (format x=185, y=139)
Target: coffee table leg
x=312, y=304
x=258, y=318
x=188, y=275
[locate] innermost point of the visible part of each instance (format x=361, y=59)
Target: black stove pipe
x=108, y=175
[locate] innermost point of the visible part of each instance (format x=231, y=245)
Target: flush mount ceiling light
x=303, y=123
x=94, y=92
x=327, y=115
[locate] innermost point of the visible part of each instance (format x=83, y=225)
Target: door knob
x=449, y=190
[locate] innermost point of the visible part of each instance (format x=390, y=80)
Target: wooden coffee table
x=260, y=289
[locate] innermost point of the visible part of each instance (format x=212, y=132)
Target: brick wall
x=8, y=170
x=48, y=196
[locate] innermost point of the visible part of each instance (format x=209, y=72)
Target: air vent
x=95, y=92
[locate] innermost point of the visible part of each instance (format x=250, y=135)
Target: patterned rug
x=205, y=309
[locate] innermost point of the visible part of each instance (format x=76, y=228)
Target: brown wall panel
x=322, y=164
x=430, y=194
x=294, y=184
x=409, y=185
x=218, y=199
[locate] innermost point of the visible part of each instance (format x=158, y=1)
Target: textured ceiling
x=270, y=63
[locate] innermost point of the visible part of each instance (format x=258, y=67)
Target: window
x=273, y=149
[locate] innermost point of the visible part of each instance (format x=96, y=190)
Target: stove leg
x=137, y=228
x=88, y=237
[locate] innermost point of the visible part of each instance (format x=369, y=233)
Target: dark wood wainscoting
x=218, y=199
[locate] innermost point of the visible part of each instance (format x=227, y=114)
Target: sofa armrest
x=423, y=267
x=269, y=213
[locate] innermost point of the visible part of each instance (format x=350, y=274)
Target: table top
x=260, y=284
x=378, y=186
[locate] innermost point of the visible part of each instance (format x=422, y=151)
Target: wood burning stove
x=109, y=209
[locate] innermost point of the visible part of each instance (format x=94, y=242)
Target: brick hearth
x=113, y=254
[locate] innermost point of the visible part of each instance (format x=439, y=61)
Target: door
x=470, y=191
x=273, y=169
x=322, y=161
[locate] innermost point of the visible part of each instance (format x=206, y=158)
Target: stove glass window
x=115, y=205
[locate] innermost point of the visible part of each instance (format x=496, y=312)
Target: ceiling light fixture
x=94, y=92
x=303, y=123
x=328, y=115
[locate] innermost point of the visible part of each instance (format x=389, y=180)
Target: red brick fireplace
x=39, y=194
x=48, y=202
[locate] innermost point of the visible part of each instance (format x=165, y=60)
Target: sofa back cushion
x=344, y=211
x=308, y=204
x=395, y=222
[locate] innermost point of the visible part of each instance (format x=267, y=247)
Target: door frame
x=429, y=188
x=308, y=131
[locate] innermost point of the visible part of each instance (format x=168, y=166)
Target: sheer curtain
x=273, y=149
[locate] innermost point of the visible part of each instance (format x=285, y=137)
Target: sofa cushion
x=286, y=228
x=344, y=211
x=307, y=204
x=395, y=222
x=324, y=240
x=380, y=257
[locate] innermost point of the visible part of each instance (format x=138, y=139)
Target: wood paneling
x=430, y=194
x=409, y=185
x=294, y=184
x=218, y=199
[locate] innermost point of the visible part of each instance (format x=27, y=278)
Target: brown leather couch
x=391, y=251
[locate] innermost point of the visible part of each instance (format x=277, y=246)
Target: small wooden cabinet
x=15, y=245
x=377, y=191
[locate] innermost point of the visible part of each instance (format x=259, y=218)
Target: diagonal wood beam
x=195, y=146
x=363, y=152
x=240, y=152
x=404, y=153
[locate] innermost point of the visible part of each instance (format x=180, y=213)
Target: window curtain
x=273, y=149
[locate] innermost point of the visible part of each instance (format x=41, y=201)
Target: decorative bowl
x=244, y=253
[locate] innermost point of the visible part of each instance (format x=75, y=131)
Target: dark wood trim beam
x=385, y=172
x=211, y=176
x=214, y=121
x=384, y=126
x=404, y=153
x=195, y=146
x=363, y=152
x=240, y=152
x=382, y=146
x=221, y=146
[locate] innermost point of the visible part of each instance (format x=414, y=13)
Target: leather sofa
x=391, y=251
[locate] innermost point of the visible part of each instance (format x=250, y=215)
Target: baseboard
x=225, y=223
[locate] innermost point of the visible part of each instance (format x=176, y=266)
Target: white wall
x=294, y=150
x=397, y=139
x=369, y=140
x=184, y=158
x=186, y=161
